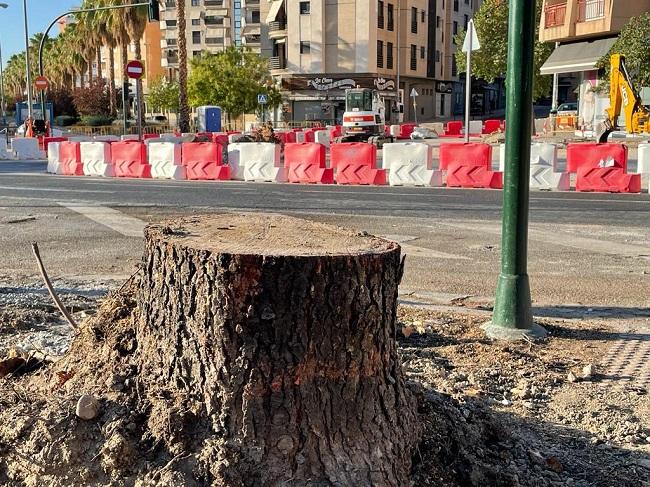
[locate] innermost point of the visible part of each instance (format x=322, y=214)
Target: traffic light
x=154, y=11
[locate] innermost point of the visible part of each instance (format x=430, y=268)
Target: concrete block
x=96, y=158
x=438, y=128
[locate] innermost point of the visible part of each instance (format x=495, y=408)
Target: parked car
x=570, y=108
x=157, y=119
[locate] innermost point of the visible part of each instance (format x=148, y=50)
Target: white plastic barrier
x=234, y=160
x=540, y=153
x=53, y=159
x=438, y=127
x=475, y=127
x=166, y=138
x=543, y=167
x=96, y=158
x=130, y=137
x=26, y=148
x=261, y=162
x=5, y=153
x=106, y=138
x=80, y=138
x=410, y=163
x=322, y=137
x=300, y=137
x=165, y=160
x=643, y=164
x=395, y=130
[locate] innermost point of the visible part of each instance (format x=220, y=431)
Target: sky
x=39, y=14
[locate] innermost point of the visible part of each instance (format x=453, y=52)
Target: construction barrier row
x=597, y=167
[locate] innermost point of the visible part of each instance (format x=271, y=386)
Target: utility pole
x=28, y=66
x=397, y=31
x=3, y=109
x=512, y=316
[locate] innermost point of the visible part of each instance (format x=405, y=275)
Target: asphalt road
x=587, y=251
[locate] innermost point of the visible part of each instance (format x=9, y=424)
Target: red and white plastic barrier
x=204, y=160
x=53, y=158
x=322, y=137
x=130, y=159
x=602, y=167
x=306, y=163
x=165, y=160
x=356, y=163
x=544, y=173
x=262, y=162
x=453, y=129
x=96, y=158
x=410, y=164
x=643, y=166
x=70, y=157
x=469, y=166
x=491, y=126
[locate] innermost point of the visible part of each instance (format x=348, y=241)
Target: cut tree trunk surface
x=282, y=331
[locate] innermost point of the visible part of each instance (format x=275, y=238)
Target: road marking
x=115, y=220
x=363, y=193
x=555, y=238
x=592, y=200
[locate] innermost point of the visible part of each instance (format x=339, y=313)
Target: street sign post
x=512, y=316
x=262, y=100
x=415, y=106
x=471, y=44
x=135, y=70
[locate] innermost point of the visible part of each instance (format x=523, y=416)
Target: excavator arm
x=622, y=96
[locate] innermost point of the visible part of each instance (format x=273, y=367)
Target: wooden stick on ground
x=49, y=287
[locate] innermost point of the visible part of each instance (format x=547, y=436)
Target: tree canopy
x=231, y=79
x=490, y=62
x=633, y=44
x=163, y=96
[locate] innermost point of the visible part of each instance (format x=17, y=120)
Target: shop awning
x=577, y=56
x=275, y=8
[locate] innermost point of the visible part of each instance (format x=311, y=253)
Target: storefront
x=322, y=97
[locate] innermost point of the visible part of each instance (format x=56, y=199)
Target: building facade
x=583, y=31
x=318, y=48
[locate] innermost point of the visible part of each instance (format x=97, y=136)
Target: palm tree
x=184, y=109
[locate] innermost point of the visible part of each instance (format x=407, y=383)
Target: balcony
x=277, y=63
x=277, y=29
x=554, y=15
x=590, y=10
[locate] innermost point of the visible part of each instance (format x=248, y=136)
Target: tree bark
x=100, y=74
x=111, y=80
x=125, y=79
x=284, y=332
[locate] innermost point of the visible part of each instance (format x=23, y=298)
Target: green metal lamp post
x=512, y=316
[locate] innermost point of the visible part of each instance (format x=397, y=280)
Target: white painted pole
x=28, y=65
x=468, y=80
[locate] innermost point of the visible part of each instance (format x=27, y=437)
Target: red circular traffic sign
x=135, y=69
x=41, y=83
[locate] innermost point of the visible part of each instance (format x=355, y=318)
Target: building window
x=380, y=54
x=455, y=5
x=422, y=16
x=414, y=20
x=455, y=31
x=391, y=18
x=438, y=21
x=421, y=52
x=454, y=68
x=172, y=42
x=213, y=20
x=414, y=57
x=196, y=3
x=465, y=22
x=305, y=48
x=380, y=14
x=442, y=105
x=466, y=2
x=305, y=8
x=389, y=55
x=437, y=56
x=196, y=53
x=170, y=23
x=196, y=21
x=255, y=17
x=196, y=37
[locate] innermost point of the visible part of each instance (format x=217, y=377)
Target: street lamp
x=3, y=108
x=30, y=108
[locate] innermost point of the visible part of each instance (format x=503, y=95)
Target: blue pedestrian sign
x=261, y=99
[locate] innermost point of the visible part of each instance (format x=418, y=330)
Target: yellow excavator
x=622, y=95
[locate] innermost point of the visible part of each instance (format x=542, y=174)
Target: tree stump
x=283, y=332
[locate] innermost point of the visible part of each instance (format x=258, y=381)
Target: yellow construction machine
x=622, y=95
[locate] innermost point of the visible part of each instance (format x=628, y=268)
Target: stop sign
x=41, y=83
x=134, y=69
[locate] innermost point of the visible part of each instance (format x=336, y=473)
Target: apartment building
x=211, y=25
x=584, y=31
x=318, y=48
